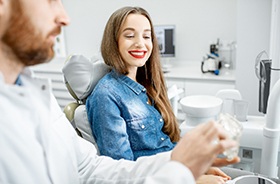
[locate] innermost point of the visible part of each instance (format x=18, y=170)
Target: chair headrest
x=82, y=74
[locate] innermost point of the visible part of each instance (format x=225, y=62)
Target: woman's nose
x=139, y=43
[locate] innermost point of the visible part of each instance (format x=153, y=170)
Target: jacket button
x=162, y=139
x=160, y=120
x=143, y=126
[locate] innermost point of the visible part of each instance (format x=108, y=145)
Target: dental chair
x=80, y=76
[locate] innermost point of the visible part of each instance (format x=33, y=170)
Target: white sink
x=201, y=108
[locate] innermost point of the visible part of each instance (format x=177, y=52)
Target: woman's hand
x=210, y=179
x=218, y=172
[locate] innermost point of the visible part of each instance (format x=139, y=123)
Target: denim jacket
x=123, y=123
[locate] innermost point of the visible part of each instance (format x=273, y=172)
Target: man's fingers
x=222, y=145
x=214, y=131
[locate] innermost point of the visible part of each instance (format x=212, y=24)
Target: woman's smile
x=138, y=54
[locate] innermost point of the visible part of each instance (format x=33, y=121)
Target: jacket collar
x=133, y=85
x=26, y=71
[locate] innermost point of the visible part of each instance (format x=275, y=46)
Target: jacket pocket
x=142, y=133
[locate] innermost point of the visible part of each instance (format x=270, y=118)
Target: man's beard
x=21, y=37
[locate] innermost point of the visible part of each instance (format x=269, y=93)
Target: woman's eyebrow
x=132, y=29
x=147, y=30
x=129, y=29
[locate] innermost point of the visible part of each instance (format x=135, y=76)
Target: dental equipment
x=263, y=70
x=271, y=133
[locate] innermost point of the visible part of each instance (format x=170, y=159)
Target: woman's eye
x=129, y=36
x=147, y=37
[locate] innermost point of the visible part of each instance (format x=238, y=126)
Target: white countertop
x=191, y=70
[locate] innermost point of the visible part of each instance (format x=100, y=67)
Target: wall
x=198, y=23
x=275, y=40
x=253, y=35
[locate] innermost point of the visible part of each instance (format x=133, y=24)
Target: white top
x=39, y=145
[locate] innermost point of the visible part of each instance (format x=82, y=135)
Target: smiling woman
x=133, y=95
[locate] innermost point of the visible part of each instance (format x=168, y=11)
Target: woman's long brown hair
x=150, y=75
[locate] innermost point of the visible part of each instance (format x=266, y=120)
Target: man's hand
x=198, y=149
